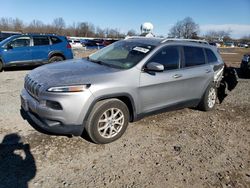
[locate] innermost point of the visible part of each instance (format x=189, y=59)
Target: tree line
x=188, y=29
x=58, y=26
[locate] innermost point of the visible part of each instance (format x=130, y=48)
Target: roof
x=147, y=40
x=157, y=41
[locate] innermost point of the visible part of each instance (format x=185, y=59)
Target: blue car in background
x=33, y=49
x=94, y=44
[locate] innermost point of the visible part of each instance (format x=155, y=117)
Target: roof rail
x=140, y=37
x=187, y=40
x=14, y=32
x=39, y=33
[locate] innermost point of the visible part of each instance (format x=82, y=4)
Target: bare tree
x=11, y=24
x=185, y=28
x=100, y=32
x=218, y=35
x=86, y=29
x=4, y=24
x=17, y=24
x=71, y=30
x=132, y=32
x=59, y=25
x=36, y=26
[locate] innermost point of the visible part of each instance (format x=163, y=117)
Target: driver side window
x=169, y=57
x=20, y=42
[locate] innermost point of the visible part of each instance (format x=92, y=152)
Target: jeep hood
x=76, y=71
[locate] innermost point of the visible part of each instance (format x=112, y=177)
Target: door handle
x=177, y=76
x=208, y=70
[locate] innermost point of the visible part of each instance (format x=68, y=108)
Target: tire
x=1, y=66
x=55, y=59
x=208, y=100
x=244, y=72
x=103, y=127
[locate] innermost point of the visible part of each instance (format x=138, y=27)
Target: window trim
x=161, y=48
x=207, y=56
x=51, y=41
x=184, y=59
x=33, y=44
x=19, y=37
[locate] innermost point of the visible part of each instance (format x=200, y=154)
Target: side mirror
x=9, y=47
x=155, y=67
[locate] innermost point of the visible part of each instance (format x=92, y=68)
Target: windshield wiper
x=96, y=61
x=102, y=63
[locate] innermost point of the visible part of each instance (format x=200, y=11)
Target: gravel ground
x=185, y=148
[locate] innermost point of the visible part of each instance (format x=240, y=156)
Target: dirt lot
x=185, y=148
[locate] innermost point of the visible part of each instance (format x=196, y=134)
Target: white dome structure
x=147, y=27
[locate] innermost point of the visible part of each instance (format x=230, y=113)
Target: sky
x=124, y=15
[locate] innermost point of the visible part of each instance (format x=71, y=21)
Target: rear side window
x=168, y=56
x=40, y=40
x=55, y=40
x=210, y=56
x=193, y=56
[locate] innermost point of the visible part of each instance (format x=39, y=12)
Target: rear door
x=18, y=51
x=40, y=49
x=197, y=74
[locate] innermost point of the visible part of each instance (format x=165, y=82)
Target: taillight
x=68, y=45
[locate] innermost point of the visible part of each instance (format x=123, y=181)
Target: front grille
x=32, y=87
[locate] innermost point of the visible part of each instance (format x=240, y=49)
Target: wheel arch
x=124, y=97
x=56, y=53
x=1, y=64
x=1, y=59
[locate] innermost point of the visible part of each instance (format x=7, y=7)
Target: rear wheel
x=55, y=59
x=107, y=121
x=1, y=66
x=209, y=98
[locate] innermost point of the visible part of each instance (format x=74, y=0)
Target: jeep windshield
x=123, y=54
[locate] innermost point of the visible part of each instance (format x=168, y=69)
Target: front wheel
x=107, y=121
x=208, y=100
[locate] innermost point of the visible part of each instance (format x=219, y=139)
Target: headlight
x=75, y=88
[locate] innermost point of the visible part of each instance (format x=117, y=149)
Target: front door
x=18, y=51
x=161, y=89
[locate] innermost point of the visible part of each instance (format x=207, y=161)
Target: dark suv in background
x=6, y=34
x=245, y=64
x=33, y=49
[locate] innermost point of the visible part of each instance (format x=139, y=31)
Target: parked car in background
x=107, y=42
x=75, y=44
x=245, y=64
x=212, y=43
x=122, y=83
x=33, y=49
x=217, y=44
x=97, y=43
x=243, y=45
x=229, y=44
x=6, y=34
x=92, y=44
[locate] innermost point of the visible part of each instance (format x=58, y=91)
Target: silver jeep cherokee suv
x=122, y=83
